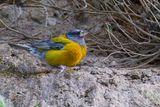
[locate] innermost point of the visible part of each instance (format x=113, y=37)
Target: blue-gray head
x=77, y=35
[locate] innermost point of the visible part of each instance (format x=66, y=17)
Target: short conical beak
x=83, y=34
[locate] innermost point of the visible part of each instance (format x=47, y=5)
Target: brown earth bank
x=26, y=82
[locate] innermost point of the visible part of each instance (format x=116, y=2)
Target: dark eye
x=75, y=33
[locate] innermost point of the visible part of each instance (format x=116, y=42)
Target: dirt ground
x=27, y=82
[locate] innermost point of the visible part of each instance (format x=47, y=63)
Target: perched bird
x=68, y=49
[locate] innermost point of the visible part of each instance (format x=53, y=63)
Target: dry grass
x=131, y=31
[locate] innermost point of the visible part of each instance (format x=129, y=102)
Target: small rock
x=51, y=21
x=133, y=75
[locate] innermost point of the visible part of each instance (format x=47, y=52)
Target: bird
x=67, y=50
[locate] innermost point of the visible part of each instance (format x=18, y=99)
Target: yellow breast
x=71, y=55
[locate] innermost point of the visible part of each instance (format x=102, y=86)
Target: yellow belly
x=71, y=55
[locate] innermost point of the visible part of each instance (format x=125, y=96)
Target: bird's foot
x=62, y=68
x=73, y=69
x=76, y=68
x=69, y=69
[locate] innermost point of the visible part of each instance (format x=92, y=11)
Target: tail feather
x=31, y=49
x=21, y=46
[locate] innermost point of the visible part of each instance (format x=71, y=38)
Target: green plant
x=2, y=102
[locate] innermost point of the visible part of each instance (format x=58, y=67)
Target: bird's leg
x=76, y=68
x=70, y=69
x=73, y=69
x=62, y=68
